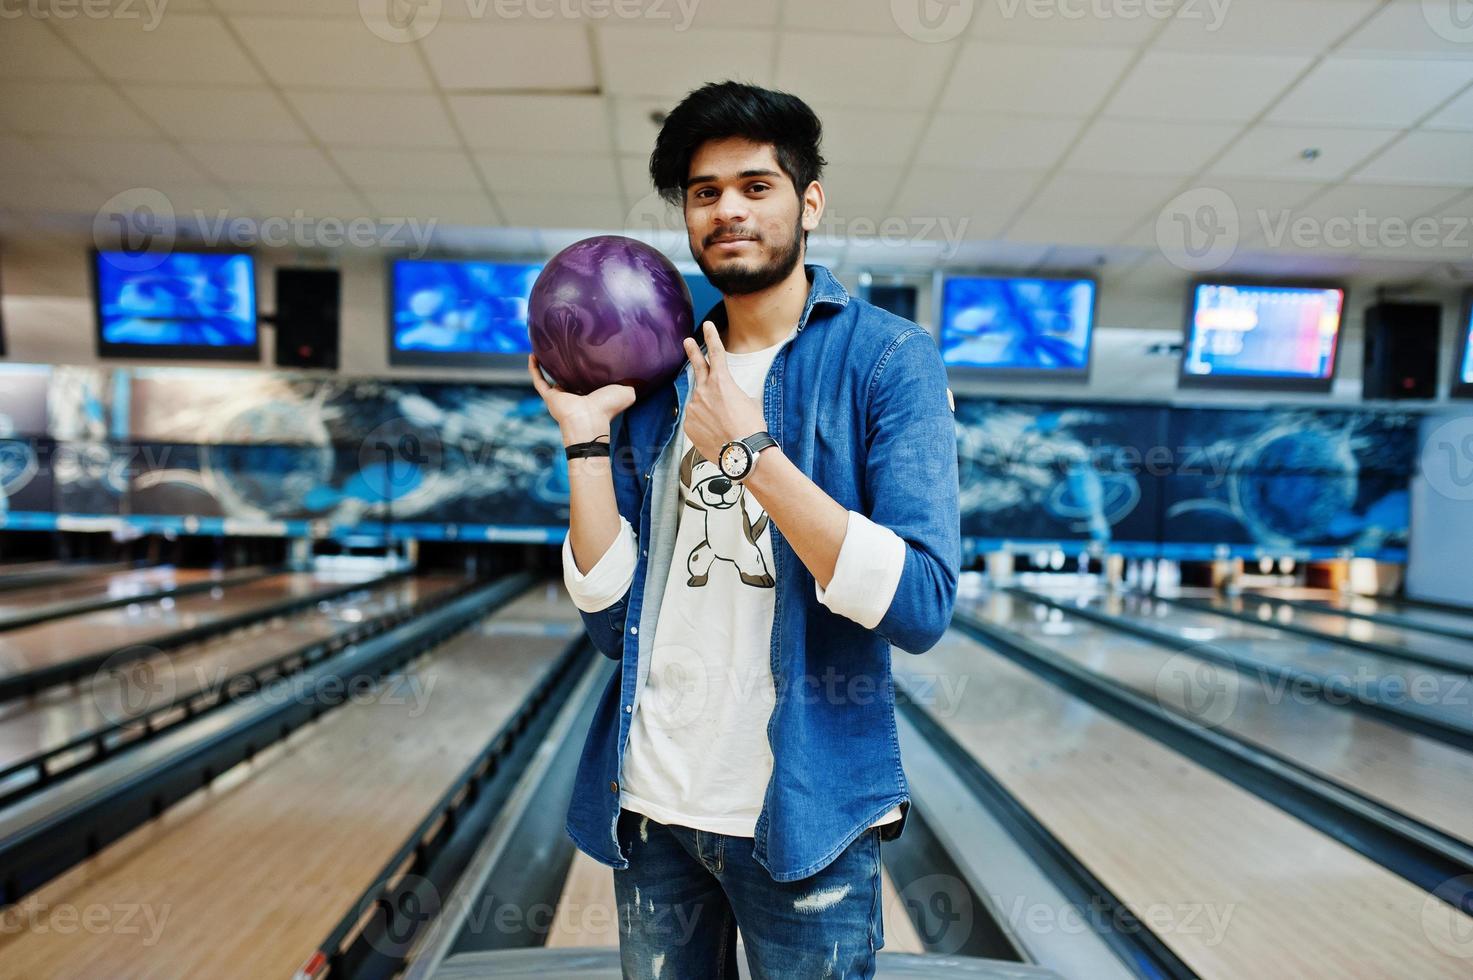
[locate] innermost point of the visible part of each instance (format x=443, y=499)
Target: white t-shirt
x=698, y=754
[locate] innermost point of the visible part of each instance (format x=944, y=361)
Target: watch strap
x=759, y=441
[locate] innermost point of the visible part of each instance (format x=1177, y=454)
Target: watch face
x=735, y=458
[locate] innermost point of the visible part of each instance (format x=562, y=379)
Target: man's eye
x=759, y=187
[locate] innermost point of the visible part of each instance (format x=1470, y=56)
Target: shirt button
x=613, y=787
x=628, y=709
x=634, y=630
x=645, y=552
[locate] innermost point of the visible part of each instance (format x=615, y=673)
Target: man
x=767, y=527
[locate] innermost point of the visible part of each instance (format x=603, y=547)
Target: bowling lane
x=1453, y=653
x=137, y=582
x=36, y=725
x=1441, y=697
x=1234, y=886
x=1428, y=780
x=57, y=641
x=27, y=574
x=1413, y=616
x=246, y=877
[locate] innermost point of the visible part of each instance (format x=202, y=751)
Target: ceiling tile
x=1063, y=229
x=996, y=142
x=1412, y=27
x=857, y=189
x=984, y=201
x=827, y=15
x=23, y=158
x=269, y=165
x=1095, y=195
x=1424, y=158
x=634, y=130
x=383, y=119
x=30, y=49
x=634, y=177
x=496, y=54
x=561, y=211
x=120, y=164
x=1132, y=147
x=331, y=53
x=1274, y=151
x=312, y=202
x=70, y=109
x=1364, y=92
x=1031, y=79
x=385, y=169
x=51, y=194
x=552, y=123
x=180, y=47
x=680, y=15
x=1380, y=201
x=658, y=61
x=1101, y=24
x=869, y=136
x=528, y=174
x=1263, y=26
x=1176, y=85
x=860, y=70
x=193, y=114
x=1457, y=114
x=444, y=208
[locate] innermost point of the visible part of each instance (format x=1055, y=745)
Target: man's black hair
x=719, y=110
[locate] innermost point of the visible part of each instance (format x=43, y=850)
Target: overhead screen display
x=1464, y=383
x=1017, y=325
x=1262, y=334
x=459, y=312
x=182, y=304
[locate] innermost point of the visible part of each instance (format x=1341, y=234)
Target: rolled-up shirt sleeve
x=609, y=578
x=867, y=573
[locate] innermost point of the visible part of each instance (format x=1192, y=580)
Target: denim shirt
x=858, y=401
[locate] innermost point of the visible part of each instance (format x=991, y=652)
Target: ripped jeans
x=686, y=892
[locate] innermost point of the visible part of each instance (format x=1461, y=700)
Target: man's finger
x=714, y=349
x=535, y=371
x=697, y=359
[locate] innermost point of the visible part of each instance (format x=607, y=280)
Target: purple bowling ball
x=610, y=310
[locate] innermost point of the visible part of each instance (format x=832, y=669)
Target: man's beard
x=737, y=280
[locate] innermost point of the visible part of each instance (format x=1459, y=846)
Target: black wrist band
x=583, y=450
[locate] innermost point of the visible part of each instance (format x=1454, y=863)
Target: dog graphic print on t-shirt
x=730, y=533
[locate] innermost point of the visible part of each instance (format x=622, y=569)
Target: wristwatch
x=739, y=457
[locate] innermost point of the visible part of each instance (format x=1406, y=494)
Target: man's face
x=744, y=217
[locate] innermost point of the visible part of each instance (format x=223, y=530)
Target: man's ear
x=813, y=203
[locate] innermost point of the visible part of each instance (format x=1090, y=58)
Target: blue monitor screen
x=461, y=308
x=1016, y=324
x=1465, y=374
x=1263, y=332
x=180, y=300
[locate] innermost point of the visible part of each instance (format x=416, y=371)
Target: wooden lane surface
x=586, y=915
x=245, y=878
x=1447, y=689
x=61, y=714
x=1236, y=887
x=1423, y=778
x=57, y=641
x=110, y=585
x=1335, y=626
